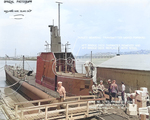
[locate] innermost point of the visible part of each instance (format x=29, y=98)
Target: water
x=31, y=65
x=28, y=65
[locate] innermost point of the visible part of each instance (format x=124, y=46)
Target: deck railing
x=84, y=103
x=38, y=102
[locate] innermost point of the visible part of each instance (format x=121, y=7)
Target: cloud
x=78, y=18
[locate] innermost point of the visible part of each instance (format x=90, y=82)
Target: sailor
x=92, y=68
x=87, y=68
x=101, y=89
x=94, y=88
x=109, y=90
x=114, y=89
x=62, y=92
x=122, y=91
x=101, y=86
x=72, y=69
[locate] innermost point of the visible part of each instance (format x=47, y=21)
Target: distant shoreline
x=19, y=59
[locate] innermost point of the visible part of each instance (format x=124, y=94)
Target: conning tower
x=55, y=39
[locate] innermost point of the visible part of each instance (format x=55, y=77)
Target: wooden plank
x=76, y=111
x=34, y=117
x=53, y=105
x=87, y=112
x=46, y=113
x=50, y=99
x=56, y=112
x=86, y=96
x=79, y=117
x=76, y=103
x=55, y=118
x=49, y=112
x=67, y=107
x=35, y=101
x=36, y=108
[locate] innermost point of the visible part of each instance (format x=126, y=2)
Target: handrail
x=55, y=104
x=81, y=102
x=49, y=106
x=49, y=99
x=35, y=101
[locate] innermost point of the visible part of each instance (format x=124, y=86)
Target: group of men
x=112, y=90
x=99, y=90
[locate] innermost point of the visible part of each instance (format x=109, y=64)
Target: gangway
x=76, y=107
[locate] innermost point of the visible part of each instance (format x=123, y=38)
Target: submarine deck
x=70, y=74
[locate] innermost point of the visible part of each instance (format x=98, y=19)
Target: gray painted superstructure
x=55, y=39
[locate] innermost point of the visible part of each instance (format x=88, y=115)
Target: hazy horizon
x=97, y=25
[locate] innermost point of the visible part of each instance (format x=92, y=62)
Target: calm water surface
x=31, y=65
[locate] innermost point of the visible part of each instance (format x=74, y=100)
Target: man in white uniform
x=101, y=89
x=122, y=91
x=87, y=68
x=94, y=88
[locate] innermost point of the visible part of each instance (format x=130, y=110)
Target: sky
x=88, y=25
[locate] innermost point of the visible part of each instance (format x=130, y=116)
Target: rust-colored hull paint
x=75, y=86
x=46, y=69
x=30, y=92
